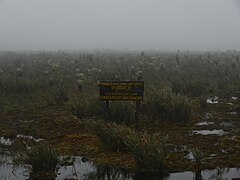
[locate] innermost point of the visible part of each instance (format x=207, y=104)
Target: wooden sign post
x=122, y=91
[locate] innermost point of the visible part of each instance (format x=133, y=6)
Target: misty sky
x=119, y=24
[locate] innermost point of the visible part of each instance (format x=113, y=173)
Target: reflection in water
x=219, y=132
x=212, y=100
x=9, y=171
x=106, y=173
x=204, y=123
x=198, y=175
x=87, y=171
x=5, y=141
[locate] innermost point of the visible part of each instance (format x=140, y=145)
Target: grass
x=149, y=151
x=173, y=92
x=167, y=106
x=42, y=158
x=197, y=157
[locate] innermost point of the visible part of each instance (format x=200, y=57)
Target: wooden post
x=137, y=115
x=107, y=110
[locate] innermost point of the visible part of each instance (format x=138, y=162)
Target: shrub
x=121, y=112
x=17, y=85
x=111, y=135
x=148, y=150
x=197, y=157
x=166, y=105
x=57, y=95
x=188, y=87
x=42, y=158
x=85, y=107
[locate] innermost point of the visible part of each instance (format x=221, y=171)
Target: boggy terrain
x=192, y=100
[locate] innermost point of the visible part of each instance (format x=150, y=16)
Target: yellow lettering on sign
x=121, y=87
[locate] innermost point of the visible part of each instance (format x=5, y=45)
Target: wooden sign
x=121, y=90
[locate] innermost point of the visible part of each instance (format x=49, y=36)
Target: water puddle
x=209, y=132
x=176, y=148
x=212, y=100
x=29, y=137
x=204, y=123
x=226, y=124
x=80, y=169
x=234, y=113
x=219, y=173
x=189, y=156
x=5, y=141
x=229, y=103
x=26, y=121
x=75, y=170
x=86, y=170
x=8, y=142
x=9, y=171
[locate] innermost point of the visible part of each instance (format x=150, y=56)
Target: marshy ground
x=215, y=131
x=53, y=109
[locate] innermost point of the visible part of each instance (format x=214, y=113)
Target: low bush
x=85, y=107
x=112, y=136
x=148, y=151
x=166, y=105
x=188, y=87
x=57, y=95
x=17, y=85
x=121, y=112
x=197, y=157
x=42, y=158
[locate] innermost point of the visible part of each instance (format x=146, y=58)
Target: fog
x=119, y=24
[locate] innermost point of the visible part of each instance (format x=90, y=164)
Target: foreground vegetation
x=54, y=96
x=149, y=152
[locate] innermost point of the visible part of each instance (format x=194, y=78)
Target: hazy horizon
x=120, y=25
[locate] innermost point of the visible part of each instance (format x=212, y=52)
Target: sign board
x=121, y=90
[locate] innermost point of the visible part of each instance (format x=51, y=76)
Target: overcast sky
x=119, y=24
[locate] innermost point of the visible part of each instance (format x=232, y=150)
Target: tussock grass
x=166, y=105
x=149, y=151
x=42, y=158
x=197, y=157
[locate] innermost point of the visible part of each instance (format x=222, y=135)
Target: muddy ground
x=215, y=130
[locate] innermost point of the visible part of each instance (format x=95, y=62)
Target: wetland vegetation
x=189, y=119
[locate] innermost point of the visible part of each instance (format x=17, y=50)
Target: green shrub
x=203, y=102
x=166, y=105
x=42, y=158
x=188, y=87
x=148, y=150
x=85, y=107
x=17, y=85
x=197, y=157
x=112, y=136
x=121, y=112
x=57, y=95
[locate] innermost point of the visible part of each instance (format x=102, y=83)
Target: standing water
x=86, y=170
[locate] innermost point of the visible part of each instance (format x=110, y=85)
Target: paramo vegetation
x=176, y=86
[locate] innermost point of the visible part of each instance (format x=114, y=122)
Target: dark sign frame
x=121, y=90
